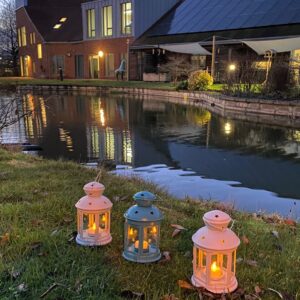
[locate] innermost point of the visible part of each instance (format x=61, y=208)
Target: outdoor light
x=227, y=128
x=100, y=54
x=93, y=216
x=142, y=230
x=232, y=67
x=214, y=254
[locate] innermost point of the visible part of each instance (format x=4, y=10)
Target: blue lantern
x=142, y=230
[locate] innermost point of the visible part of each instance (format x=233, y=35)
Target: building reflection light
x=296, y=135
x=110, y=143
x=64, y=136
x=102, y=117
x=127, y=147
x=43, y=111
x=227, y=128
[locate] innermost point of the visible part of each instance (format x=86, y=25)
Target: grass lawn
x=37, y=219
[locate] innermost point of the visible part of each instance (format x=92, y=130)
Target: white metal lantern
x=214, y=254
x=93, y=216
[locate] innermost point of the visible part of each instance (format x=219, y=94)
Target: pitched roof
x=200, y=16
x=46, y=13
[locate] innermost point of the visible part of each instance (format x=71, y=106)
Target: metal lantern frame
x=93, y=216
x=214, y=254
x=142, y=230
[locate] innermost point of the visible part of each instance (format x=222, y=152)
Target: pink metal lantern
x=93, y=216
x=214, y=255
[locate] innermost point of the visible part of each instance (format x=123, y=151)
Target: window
x=32, y=38
x=109, y=65
x=107, y=21
x=62, y=20
x=22, y=41
x=23, y=33
x=56, y=26
x=126, y=18
x=39, y=51
x=94, y=67
x=91, y=23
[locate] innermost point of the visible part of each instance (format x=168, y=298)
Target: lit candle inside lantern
x=103, y=218
x=154, y=230
x=145, y=245
x=92, y=229
x=216, y=271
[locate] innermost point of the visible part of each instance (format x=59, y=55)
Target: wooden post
x=213, y=57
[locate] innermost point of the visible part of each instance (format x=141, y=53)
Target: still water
x=254, y=166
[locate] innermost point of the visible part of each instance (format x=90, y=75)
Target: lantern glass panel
x=89, y=225
x=133, y=236
x=151, y=237
x=103, y=221
x=216, y=269
x=233, y=262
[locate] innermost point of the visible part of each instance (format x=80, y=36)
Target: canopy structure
x=277, y=45
x=186, y=48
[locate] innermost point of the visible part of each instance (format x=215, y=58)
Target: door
x=79, y=66
x=94, y=66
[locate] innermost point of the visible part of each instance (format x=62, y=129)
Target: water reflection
x=145, y=132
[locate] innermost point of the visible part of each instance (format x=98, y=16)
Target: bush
x=199, y=81
x=182, y=85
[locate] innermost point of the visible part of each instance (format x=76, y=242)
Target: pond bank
x=252, y=107
x=37, y=219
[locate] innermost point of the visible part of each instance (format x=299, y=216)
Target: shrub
x=199, y=81
x=182, y=85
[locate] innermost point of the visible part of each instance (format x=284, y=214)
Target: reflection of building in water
x=65, y=136
x=37, y=119
x=109, y=137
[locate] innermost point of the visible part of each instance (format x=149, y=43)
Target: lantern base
x=143, y=259
x=101, y=241
x=217, y=288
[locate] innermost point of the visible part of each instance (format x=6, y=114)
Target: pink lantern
x=214, y=254
x=93, y=216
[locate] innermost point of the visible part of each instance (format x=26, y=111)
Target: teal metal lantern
x=142, y=230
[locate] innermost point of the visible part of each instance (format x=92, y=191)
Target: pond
x=188, y=150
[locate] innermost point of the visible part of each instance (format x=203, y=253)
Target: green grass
x=15, y=81
x=37, y=212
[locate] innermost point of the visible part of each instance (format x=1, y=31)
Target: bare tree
x=8, y=34
x=11, y=112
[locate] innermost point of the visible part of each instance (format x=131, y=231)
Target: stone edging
x=289, y=109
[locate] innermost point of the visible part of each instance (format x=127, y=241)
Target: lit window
x=91, y=24
x=32, y=38
x=62, y=20
x=39, y=51
x=23, y=36
x=107, y=21
x=57, y=26
x=126, y=18
x=19, y=37
x=109, y=65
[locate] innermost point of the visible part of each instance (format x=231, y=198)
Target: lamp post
x=214, y=254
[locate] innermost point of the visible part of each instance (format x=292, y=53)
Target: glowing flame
x=94, y=227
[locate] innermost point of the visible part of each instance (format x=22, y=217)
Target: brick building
x=85, y=39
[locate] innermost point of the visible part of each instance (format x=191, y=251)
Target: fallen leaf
x=22, y=288
x=179, y=227
x=14, y=274
x=176, y=232
x=187, y=254
x=257, y=290
x=245, y=240
x=239, y=260
x=275, y=233
x=252, y=263
x=290, y=222
x=276, y=292
x=36, y=245
x=4, y=239
x=68, y=220
x=37, y=222
x=166, y=255
x=185, y=285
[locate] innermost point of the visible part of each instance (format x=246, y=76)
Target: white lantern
x=214, y=255
x=93, y=216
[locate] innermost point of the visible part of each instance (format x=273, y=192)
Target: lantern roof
x=144, y=210
x=216, y=235
x=94, y=200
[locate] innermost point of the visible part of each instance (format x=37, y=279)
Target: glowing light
x=227, y=128
x=56, y=26
x=145, y=245
x=154, y=230
x=232, y=67
x=215, y=270
x=62, y=20
x=100, y=54
x=102, y=117
x=92, y=229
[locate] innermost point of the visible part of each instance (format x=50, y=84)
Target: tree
x=8, y=35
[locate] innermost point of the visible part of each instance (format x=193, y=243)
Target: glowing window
x=126, y=18
x=107, y=21
x=39, y=51
x=19, y=37
x=23, y=36
x=91, y=23
x=62, y=20
x=32, y=38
